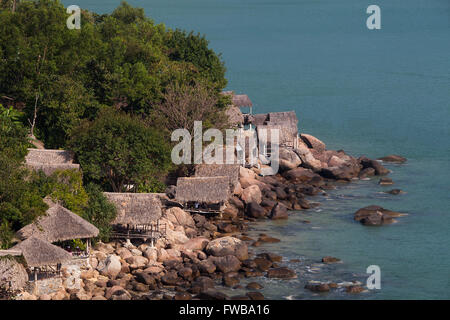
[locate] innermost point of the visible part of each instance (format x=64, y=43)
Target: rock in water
x=317, y=287
x=395, y=191
x=375, y=215
x=279, y=212
x=329, y=259
x=385, y=181
x=281, y=273
x=393, y=158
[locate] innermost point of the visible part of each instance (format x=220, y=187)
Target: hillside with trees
x=109, y=91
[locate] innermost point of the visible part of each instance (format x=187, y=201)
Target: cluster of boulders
x=199, y=253
x=192, y=270
x=307, y=170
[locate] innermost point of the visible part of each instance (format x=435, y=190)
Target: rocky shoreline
x=200, y=254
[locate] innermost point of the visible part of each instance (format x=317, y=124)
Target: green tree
x=117, y=151
x=99, y=211
x=20, y=201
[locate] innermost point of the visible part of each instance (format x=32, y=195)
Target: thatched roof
x=59, y=224
x=203, y=189
x=50, y=161
x=39, y=253
x=231, y=171
x=10, y=252
x=239, y=100
x=48, y=156
x=286, y=134
x=136, y=208
x=235, y=116
x=49, y=169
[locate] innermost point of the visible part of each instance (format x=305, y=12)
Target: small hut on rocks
x=49, y=160
x=138, y=215
x=239, y=100
x=42, y=257
x=219, y=170
x=285, y=122
x=58, y=225
x=203, y=194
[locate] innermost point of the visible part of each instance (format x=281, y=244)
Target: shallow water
x=368, y=92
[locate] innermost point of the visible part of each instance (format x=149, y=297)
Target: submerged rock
x=395, y=191
x=329, y=259
x=393, y=158
x=318, y=287
x=385, y=181
x=281, y=273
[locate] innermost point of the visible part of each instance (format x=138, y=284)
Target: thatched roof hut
x=285, y=122
x=50, y=161
x=242, y=100
x=231, y=171
x=209, y=190
x=59, y=224
x=239, y=100
x=49, y=156
x=40, y=253
x=135, y=208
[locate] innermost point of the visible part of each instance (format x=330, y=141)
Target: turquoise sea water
x=367, y=92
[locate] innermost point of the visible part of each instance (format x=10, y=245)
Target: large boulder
x=179, y=217
x=281, y=273
x=247, y=182
x=299, y=175
x=254, y=210
x=227, y=264
x=252, y=194
x=246, y=173
x=307, y=157
x=376, y=165
x=312, y=142
x=176, y=237
x=279, y=211
x=112, y=266
x=198, y=243
x=13, y=276
x=227, y=246
x=288, y=159
x=375, y=216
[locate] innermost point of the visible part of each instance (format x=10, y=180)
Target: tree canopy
x=121, y=60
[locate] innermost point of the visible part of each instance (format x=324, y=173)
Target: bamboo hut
x=58, y=225
x=41, y=256
x=50, y=161
x=231, y=171
x=138, y=215
x=203, y=194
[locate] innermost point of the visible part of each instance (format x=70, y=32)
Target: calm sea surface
x=367, y=92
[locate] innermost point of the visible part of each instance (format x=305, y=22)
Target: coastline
x=220, y=257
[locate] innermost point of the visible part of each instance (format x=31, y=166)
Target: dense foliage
x=20, y=200
x=121, y=60
x=120, y=152
x=108, y=91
